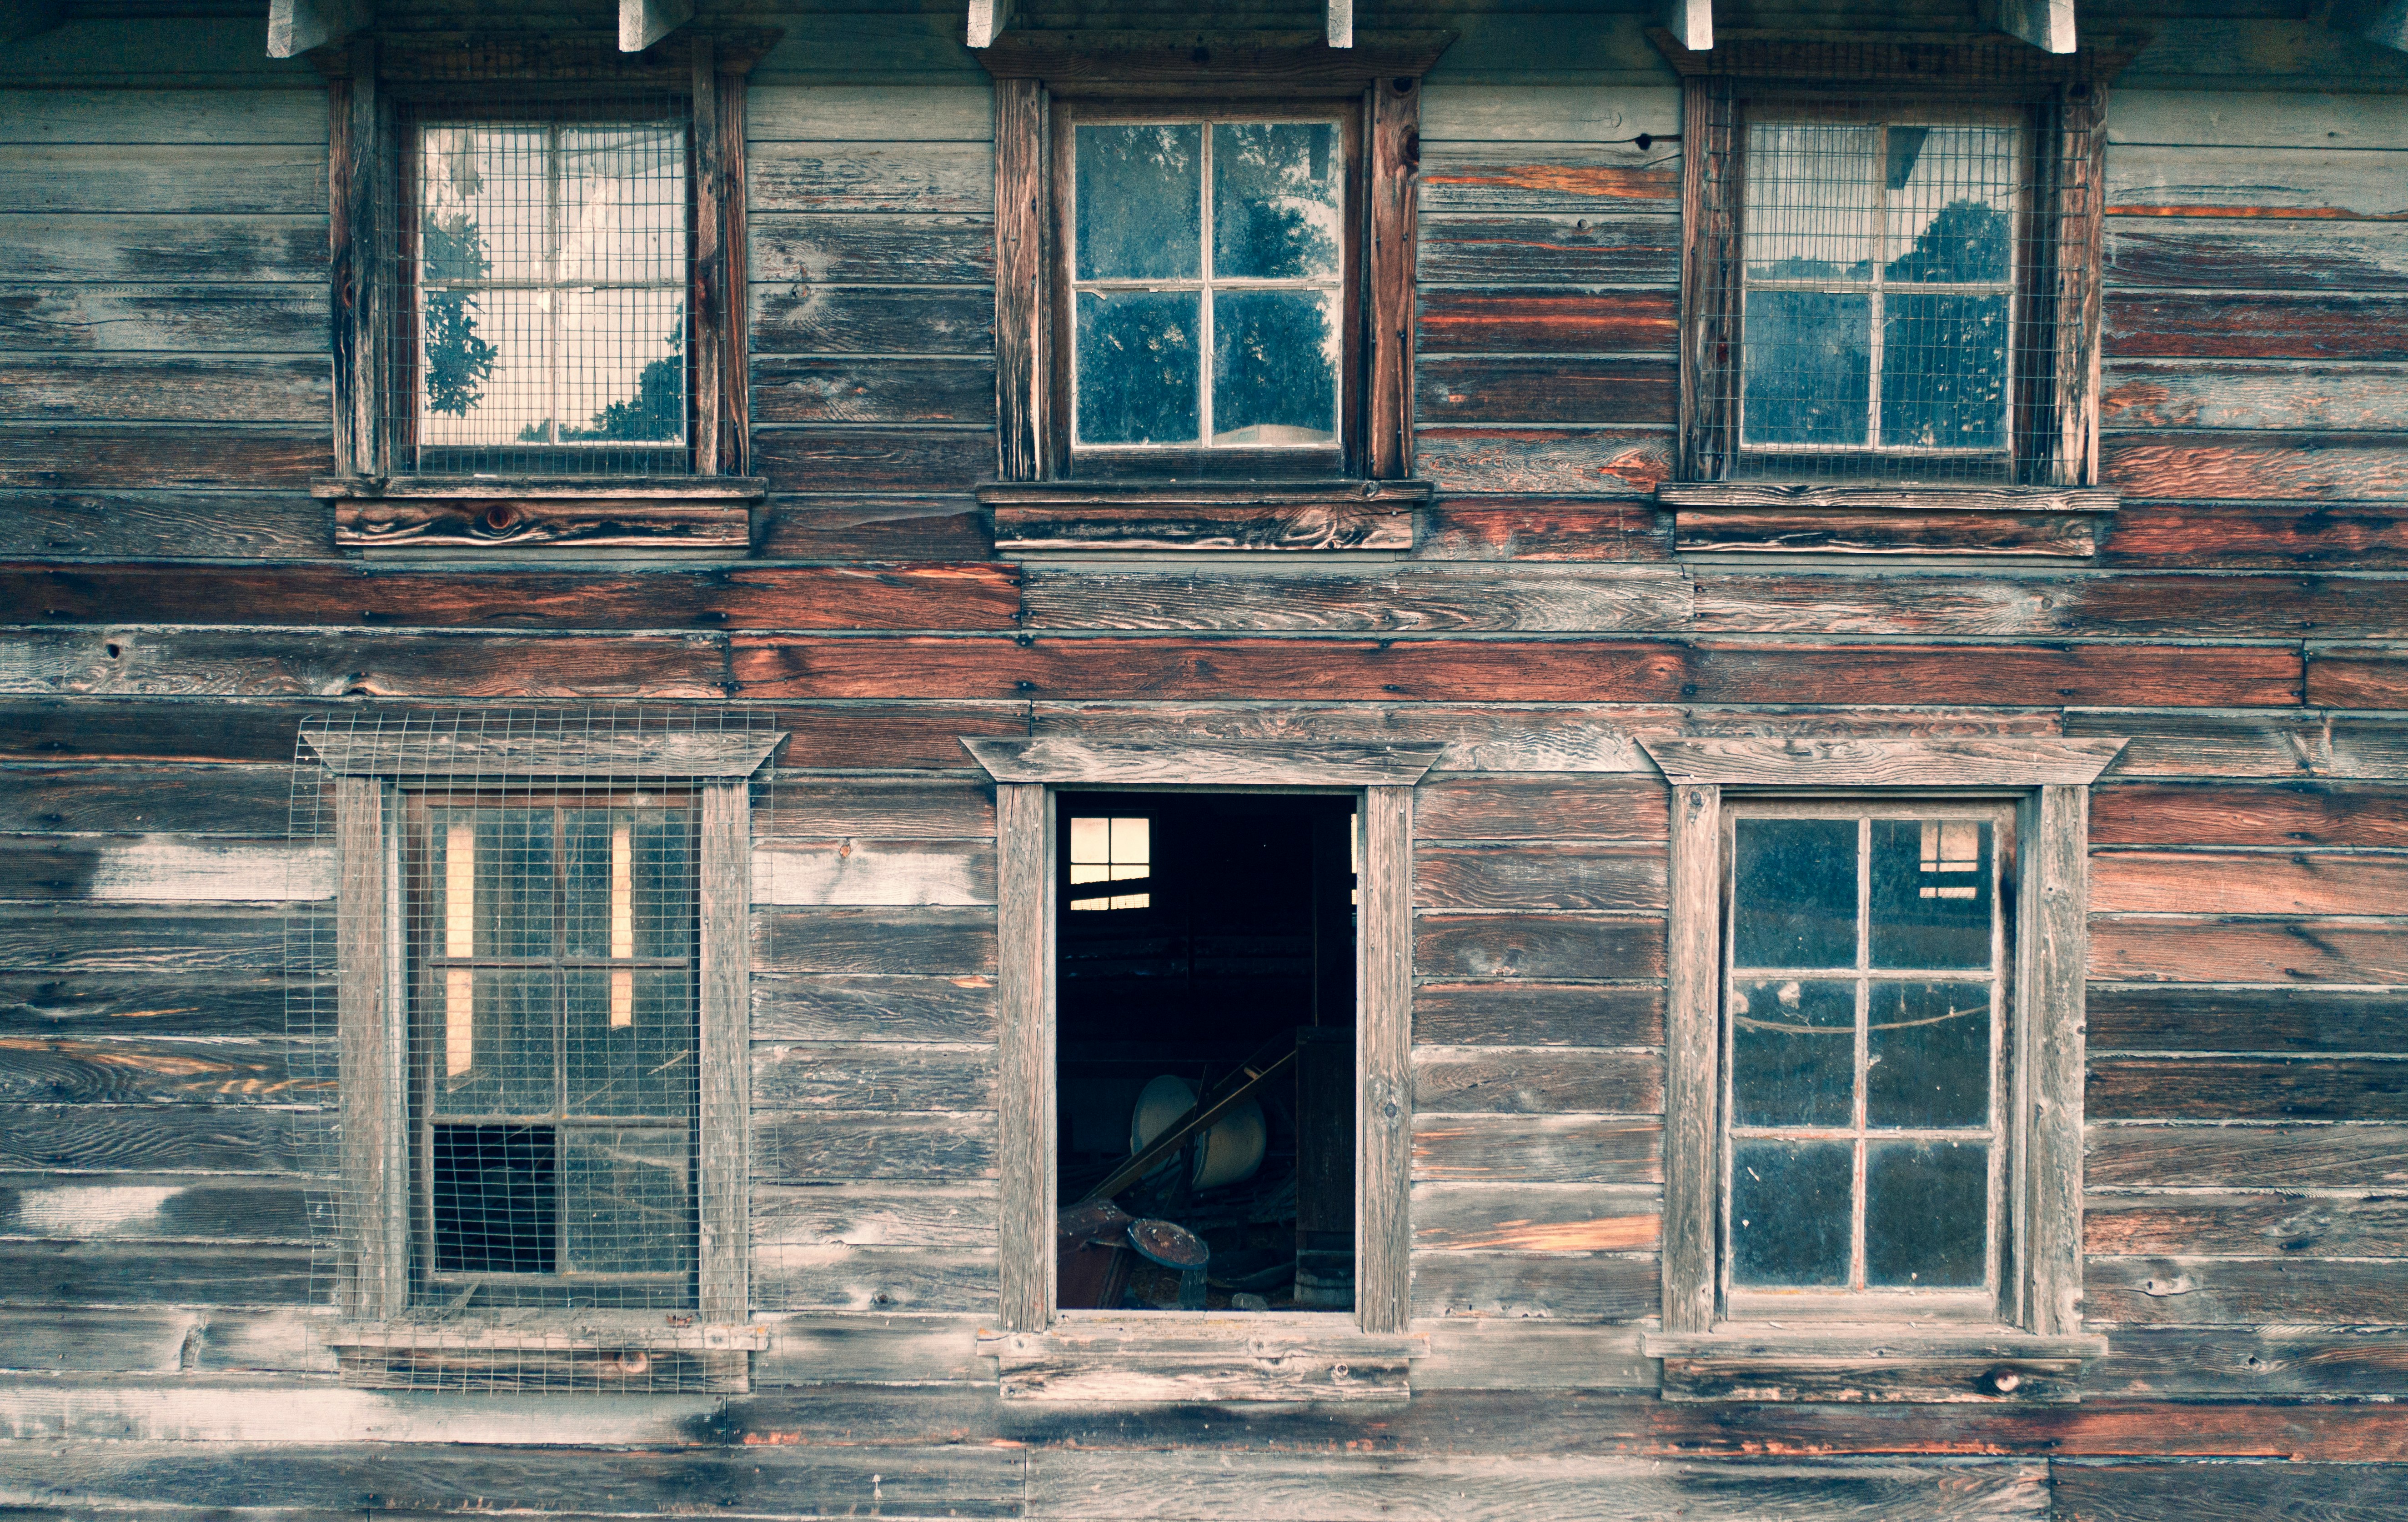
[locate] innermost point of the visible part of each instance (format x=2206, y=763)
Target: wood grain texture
x=1336, y=523
x=372, y=1269
x=2296, y=1226
x=1585, y=739
x=1529, y=178
x=2371, y=535
x=112, y=457
x=118, y=662
x=1603, y=248
x=727, y=1079
x=799, y=318
x=1412, y=599
x=864, y=1074
x=2053, y=918
x=1557, y=388
x=1542, y=808
x=2241, y=1088
x=1516, y=319
x=2128, y=1492
x=1059, y=760
x=1026, y=1118
x=2010, y=761
x=1387, y=961
x=2176, y=1017
x=872, y=872
x=873, y=527
x=111, y=1272
x=883, y=177
x=154, y=525
x=2285, y=950
x=1391, y=213
x=1545, y=947
x=159, y=1070
x=162, y=388
x=2213, y=1156
x=2256, y=253
x=1553, y=1080
x=2358, y=676
x=1525, y=1015
x=2233, y=395
x=150, y=1138
x=2248, y=882
x=171, y=1002
x=175, y=941
x=111, y=249
x=880, y=808
x=2253, y=325
x=1542, y=1148
x=1544, y=461
x=925, y=941
x=875, y=1214
x=2228, y=605
x=1528, y=1218
x=1543, y=529
x=836, y=389
x=912, y=1279
x=1692, y=1022
x=876, y=1007
x=1527, y=875
x=841, y=250
x=830, y=1147
x=2158, y=1291
x=2303, y=467
x=1594, y=1286
x=1749, y=531
x=860, y=457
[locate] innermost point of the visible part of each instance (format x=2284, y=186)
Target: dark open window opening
x=1206, y=1051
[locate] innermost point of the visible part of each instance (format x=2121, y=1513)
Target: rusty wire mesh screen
x=516, y=973
x=1880, y=292
x=541, y=264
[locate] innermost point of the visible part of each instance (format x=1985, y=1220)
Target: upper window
x=1207, y=260
x=546, y=270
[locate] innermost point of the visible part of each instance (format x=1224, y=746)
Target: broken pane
x=1794, y=892
x=1926, y=1214
x=1793, y=1053
x=1789, y=1213
x=493, y=1196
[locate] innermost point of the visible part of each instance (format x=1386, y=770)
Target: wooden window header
x=465, y=758
x=1256, y=63
x=2016, y=761
x=1186, y=764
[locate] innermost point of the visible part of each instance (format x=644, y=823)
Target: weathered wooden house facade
x=1692, y=714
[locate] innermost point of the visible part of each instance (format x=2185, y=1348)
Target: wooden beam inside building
x=1691, y=24
x=296, y=26
x=1342, y=23
x=2047, y=24
x=988, y=18
x=643, y=22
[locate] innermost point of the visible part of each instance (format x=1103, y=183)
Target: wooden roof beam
x=296, y=26
x=1342, y=23
x=1691, y=24
x=2047, y=24
x=2389, y=28
x=988, y=18
x=643, y=22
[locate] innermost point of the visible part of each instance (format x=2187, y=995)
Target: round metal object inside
x=1170, y=1243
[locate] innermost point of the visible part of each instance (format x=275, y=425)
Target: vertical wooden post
x=1024, y=1120
x=735, y=419
x=1693, y=1031
x=1022, y=383
x=1394, y=207
x=360, y=233
x=723, y=1109
x=1709, y=304
x=1384, y=1047
x=2052, y=915
x=706, y=323
x=373, y=1275
x=2081, y=195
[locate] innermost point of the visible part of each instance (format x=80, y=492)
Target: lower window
x=553, y=1050
x=1867, y=1028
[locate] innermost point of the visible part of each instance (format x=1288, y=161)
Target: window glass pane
x=631, y=1041
x=666, y=915
x=1951, y=203
x=621, y=368
x=626, y=1198
x=1809, y=363
x=1931, y=893
x=623, y=202
x=492, y=1050
x=1926, y=1214
x=1277, y=200
x=1137, y=352
x=1812, y=193
x=1945, y=371
x=1274, y=367
x=1790, y=1219
x=1927, y=1052
x=1793, y=1053
x=483, y=377
x=481, y=205
x=492, y=1192
x=1140, y=192
x=1794, y=892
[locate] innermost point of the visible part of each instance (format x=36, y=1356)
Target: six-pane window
x=554, y=1050
x=1865, y=1015
x=1206, y=271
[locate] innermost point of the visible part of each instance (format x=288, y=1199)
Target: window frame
x=375, y=87
x=2034, y=1345
x=373, y=779
x=1032, y=778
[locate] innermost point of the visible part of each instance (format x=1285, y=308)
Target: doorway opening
x=1205, y=1048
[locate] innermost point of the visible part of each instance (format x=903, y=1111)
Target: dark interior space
x=1206, y=1044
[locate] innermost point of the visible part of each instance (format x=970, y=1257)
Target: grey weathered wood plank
x=823, y=1147
x=1025, y=1102
x=883, y=177
x=1520, y=875
x=875, y=1215
x=372, y=1271
x=1419, y=599
x=2022, y=761
x=881, y=1007
x=1692, y=1020
x=863, y=1075
x=158, y=1206
x=437, y=753
x=1536, y=1218
x=1539, y=1015
x=1384, y=1036
x=164, y=868
x=723, y=1115
x=870, y=871
x=274, y=179
x=41, y=248
x=1537, y=1079
x=255, y=317
x=939, y=941
x=153, y=116
x=1186, y=762
x=2323, y=1225
x=2248, y=1291
x=912, y=1279
x=1472, y=736
x=1572, y=1287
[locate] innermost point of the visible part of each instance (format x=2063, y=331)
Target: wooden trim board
x=665, y=755
x=1186, y=764
x=2016, y=761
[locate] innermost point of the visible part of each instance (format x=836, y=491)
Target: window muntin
x=1110, y=850
x=547, y=263
x=555, y=1049
x=1865, y=1033
x=1207, y=265
x=1881, y=317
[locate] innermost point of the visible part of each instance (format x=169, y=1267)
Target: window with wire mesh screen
x=543, y=274
x=1874, y=292
x=553, y=1046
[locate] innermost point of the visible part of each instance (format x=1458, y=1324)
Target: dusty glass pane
x=1277, y=200
x=624, y=1200
x=482, y=203
x=631, y=1041
x=1793, y=1053
x=1274, y=367
x=1926, y=1214
x=621, y=368
x=1789, y=1213
x=1928, y=1054
x=666, y=910
x=622, y=204
x=483, y=374
x=491, y=874
x=1945, y=371
x=1812, y=190
x=1141, y=196
x=1931, y=893
x=1794, y=892
x=1950, y=204
x=499, y=1060
x=1137, y=352
x=1809, y=367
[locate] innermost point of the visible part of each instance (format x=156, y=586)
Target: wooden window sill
x=660, y=515
x=1203, y=516
x=1872, y=1363
x=637, y=1351
x=1173, y=1355
x=1726, y=518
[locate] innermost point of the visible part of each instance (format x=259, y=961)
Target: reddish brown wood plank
x=1545, y=461
x=2327, y=467
x=2326, y=1157
x=2231, y=325
x=1471, y=249
x=1568, y=670
x=2340, y=676
x=1748, y=531
x=1522, y=874
x=2236, y=1088
x=1541, y=808
x=842, y=458
x=1514, y=320
x=2248, y=951
x=2297, y=1225
x=892, y=598
x=2247, y=882
x=2279, y=813
x=2359, y=536
x=122, y=456
x=2177, y=1017
x=1541, y=528
x=1517, y=177
x=1555, y=389
x=851, y=527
